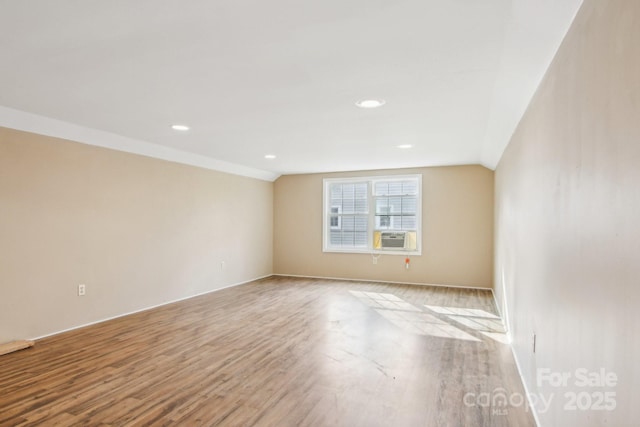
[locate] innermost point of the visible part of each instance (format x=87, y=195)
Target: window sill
x=371, y=252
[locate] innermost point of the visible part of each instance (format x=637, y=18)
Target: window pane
x=347, y=238
x=409, y=205
x=348, y=206
x=381, y=188
x=335, y=191
x=361, y=198
x=395, y=205
x=348, y=223
x=395, y=222
x=395, y=188
x=361, y=190
x=409, y=222
x=360, y=223
x=383, y=222
x=348, y=190
x=382, y=205
x=335, y=238
x=410, y=187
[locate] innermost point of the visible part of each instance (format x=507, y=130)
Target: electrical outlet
x=222, y=265
x=82, y=290
x=375, y=260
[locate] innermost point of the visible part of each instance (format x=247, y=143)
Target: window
x=396, y=204
x=348, y=214
x=373, y=214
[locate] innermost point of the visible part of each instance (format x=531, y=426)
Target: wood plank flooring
x=276, y=352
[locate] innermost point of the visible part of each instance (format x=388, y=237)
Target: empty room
x=409, y=213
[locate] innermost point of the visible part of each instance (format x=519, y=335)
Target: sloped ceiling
x=255, y=77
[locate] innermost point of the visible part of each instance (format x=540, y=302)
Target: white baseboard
x=149, y=308
x=526, y=389
x=383, y=281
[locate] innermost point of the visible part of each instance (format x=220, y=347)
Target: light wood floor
x=276, y=352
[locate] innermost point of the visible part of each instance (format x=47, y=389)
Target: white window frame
x=371, y=181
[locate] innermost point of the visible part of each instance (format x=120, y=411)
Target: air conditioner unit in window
x=393, y=240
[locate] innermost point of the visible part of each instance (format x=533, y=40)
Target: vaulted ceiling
x=281, y=77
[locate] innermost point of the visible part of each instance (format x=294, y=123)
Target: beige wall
x=568, y=217
x=137, y=231
x=457, y=221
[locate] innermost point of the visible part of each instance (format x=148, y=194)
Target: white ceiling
x=253, y=77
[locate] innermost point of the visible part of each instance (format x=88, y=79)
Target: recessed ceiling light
x=403, y=146
x=180, y=127
x=269, y=156
x=370, y=103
